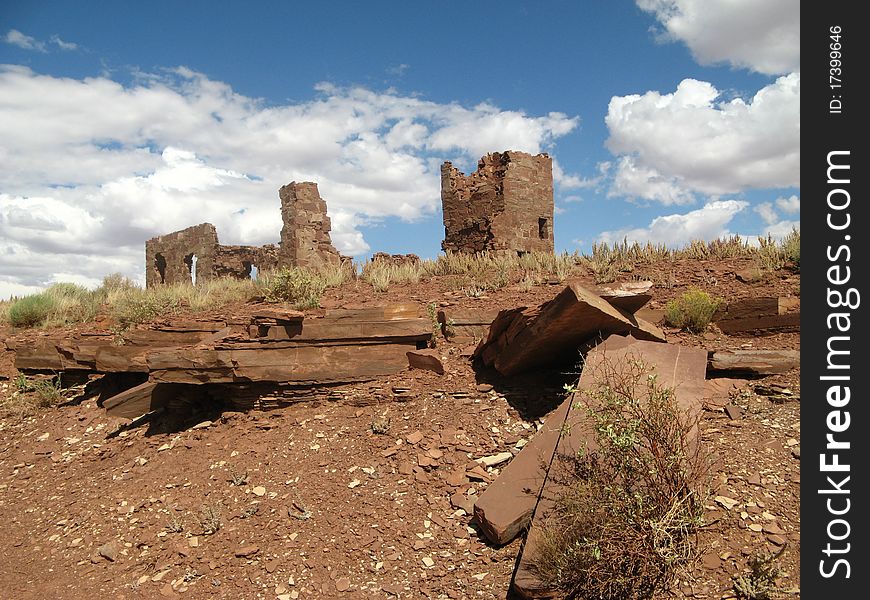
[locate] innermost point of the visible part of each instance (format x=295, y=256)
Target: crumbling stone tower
x=504, y=206
x=305, y=240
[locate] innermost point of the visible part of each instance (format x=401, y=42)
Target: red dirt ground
x=379, y=525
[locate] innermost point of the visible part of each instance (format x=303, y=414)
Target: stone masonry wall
x=504, y=206
x=239, y=261
x=305, y=240
x=169, y=258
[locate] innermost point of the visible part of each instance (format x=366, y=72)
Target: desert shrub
x=297, y=285
x=769, y=254
x=760, y=582
x=791, y=247
x=624, y=518
x=692, y=311
x=31, y=311
x=116, y=281
x=210, y=518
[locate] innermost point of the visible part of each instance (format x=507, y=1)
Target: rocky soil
x=368, y=497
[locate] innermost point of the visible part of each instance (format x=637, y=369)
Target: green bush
x=297, y=285
x=31, y=311
x=692, y=311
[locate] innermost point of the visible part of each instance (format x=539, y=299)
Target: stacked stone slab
x=504, y=206
x=305, y=240
x=195, y=253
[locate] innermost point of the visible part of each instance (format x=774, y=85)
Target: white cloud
x=635, y=181
x=790, y=205
x=767, y=212
x=567, y=181
x=761, y=36
x=671, y=145
x=83, y=187
x=63, y=45
x=706, y=223
x=780, y=229
x=16, y=38
x=398, y=70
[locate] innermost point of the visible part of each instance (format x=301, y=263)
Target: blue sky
x=668, y=120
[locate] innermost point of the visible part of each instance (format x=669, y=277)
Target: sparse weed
x=791, y=247
x=624, y=520
x=250, y=511
x=238, y=478
x=297, y=285
x=380, y=425
x=760, y=582
x=175, y=524
x=437, y=332
x=210, y=518
x=39, y=392
x=692, y=311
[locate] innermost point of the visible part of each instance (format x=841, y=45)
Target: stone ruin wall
x=504, y=206
x=305, y=241
x=169, y=258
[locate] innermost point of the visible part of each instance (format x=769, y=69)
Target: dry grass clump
x=607, y=262
x=61, y=304
x=32, y=393
x=381, y=273
x=692, y=311
x=477, y=274
x=624, y=522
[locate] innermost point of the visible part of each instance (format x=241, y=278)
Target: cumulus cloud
x=790, y=205
x=761, y=36
x=83, y=186
x=569, y=181
x=767, y=212
x=707, y=223
x=775, y=225
x=670, y=146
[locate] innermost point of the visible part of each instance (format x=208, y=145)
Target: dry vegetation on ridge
x=472, y=274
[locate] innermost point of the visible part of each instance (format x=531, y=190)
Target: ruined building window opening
x=543, y=228
x=160, y=266
x=190, y=261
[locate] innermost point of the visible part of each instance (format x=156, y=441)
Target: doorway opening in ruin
x=190, y=261
x=543, y=229
x=160, y=266
x=250, y=270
